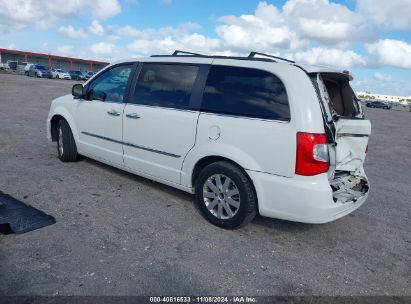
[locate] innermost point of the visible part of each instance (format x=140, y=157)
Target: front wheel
x=66, y=146
x=225, y=195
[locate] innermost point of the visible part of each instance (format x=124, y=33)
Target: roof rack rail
x=268, y=58
x=252, y=55
x=176, y=52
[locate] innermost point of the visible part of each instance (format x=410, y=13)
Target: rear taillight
x=312, y=154
x=366, y=149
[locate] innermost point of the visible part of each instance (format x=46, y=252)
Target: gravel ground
x=119, y=234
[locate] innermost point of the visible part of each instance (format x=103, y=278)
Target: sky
x=370, y=38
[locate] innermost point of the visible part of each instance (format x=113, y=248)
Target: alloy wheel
x=221, y=196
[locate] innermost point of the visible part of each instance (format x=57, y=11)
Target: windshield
x=41, y=67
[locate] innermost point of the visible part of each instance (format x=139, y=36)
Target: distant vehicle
x=38, y=70
x=11, y=64
x=88, y=75
x=60, y=74
x=76, y=75
x=27, y=68
x=379, y=104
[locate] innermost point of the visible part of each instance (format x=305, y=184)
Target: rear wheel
x=66, y=146
x=225, y=195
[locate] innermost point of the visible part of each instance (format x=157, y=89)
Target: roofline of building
x=52, y=56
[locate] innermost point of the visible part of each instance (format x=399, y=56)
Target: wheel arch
x=207, y=160
x=54, y=123
x=61, y=113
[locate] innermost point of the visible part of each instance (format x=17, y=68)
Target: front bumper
x=306, y=199
x=45, y=75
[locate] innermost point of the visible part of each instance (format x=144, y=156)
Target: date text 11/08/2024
x=182, y=299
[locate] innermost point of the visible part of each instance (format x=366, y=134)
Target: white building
x=390, y=98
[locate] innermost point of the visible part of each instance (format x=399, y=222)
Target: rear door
x=159, y=125
x=345, y=117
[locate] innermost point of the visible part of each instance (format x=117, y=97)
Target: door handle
x=132, y=115
x=113, y=113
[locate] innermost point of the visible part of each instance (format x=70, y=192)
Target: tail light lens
x=312, y=154
x=366, y=149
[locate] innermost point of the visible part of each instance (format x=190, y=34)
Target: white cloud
x=189, y=42
x=326, y=22
x=394, y=14
x=296, y=25
x=382, y=77
x=105, y=8
x=20, y=14
x=330, y=57
x=65, y=50
x=390, y=52
x=266, y=30
x=96, y=28
x=70, y=32
x=102, y=49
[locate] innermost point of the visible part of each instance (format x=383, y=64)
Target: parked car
x=60, y=74
x=27, y=68
x=379, y=104
x=11, y=65
x=38, y=70
x=76, y=75
x=244, y=134
x=88, y=75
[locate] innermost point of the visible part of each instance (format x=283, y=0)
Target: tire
x=66, y=146
x=214, y=205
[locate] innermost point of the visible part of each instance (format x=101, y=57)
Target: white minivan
x=244, y=134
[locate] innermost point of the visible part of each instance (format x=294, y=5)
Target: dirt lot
x=119, y=234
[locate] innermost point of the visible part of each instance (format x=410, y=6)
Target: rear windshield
x=342, y=100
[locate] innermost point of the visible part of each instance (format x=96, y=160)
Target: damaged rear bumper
x=349, y=188
x=306, y=199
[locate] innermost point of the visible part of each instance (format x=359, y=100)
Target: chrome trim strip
x=151, y=150
x=132, y=145
x=102, y=137
x=351, y=135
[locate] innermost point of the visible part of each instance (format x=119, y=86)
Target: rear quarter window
x=245, y=92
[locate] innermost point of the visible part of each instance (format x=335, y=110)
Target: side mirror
x=77, y=90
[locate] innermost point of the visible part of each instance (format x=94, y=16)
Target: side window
x=111, y=85
x=245, y=92
x=165, y=85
